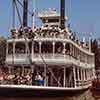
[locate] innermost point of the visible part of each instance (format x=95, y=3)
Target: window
x=36, y=47
x=47, y=47
x=53, y=20
x=67, y=48
x=10, y=48
x=20, y=47
x=58, y=47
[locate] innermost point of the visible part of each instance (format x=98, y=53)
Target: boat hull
x=35, y=91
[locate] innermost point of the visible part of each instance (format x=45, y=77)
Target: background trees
x=2, y=50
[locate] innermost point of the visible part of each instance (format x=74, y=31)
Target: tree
x=2, y=50
x=96, y=51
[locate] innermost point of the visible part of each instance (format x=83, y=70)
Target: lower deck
x=61, y=77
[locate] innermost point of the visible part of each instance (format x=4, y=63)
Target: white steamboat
x=63, y=62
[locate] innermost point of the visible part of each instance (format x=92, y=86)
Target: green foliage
x=2, y=50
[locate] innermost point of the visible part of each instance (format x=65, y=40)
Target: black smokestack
x=25, y=12
x=62, y=14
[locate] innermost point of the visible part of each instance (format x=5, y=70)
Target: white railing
x=17, y=58
x=52, y=58
x=55, y=58
x=60, y=58
x=49, y=56
x=83, y=82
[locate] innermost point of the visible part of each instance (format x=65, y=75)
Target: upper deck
x=56, y=46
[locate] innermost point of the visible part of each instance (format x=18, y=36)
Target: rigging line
x=27, y=47
x=13, y=23
x=70, y=8
x=9, y=17
x=18, y=13
x=22, y=6
x=49, y=69
x=33, y=15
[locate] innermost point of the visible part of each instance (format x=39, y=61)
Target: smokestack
x=62, y=14
x=25, y=12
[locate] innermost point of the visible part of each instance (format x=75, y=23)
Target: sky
x=83, y=15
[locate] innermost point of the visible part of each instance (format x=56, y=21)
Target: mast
x=25, y=12
x=62, y=14
x=33, y=15
x=13, y=12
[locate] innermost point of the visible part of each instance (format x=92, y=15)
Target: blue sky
x=84, y=15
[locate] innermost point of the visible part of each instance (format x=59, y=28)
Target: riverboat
x=47, y=60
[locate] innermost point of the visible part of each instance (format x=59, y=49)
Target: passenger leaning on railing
x=39, y=80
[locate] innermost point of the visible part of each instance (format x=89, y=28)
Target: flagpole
x=90, y=42
x=33, y=15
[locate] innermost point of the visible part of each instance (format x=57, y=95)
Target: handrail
x=65, y=58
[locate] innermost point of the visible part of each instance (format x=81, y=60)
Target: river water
x=35, y=98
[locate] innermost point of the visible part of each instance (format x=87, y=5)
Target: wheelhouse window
x=59, y=47
x=47, y=47
x=20, y=47
x=53, y=20
x=67, y=48
x=10, y=48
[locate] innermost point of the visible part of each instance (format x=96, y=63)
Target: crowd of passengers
x=38, y=32
x=20, y=78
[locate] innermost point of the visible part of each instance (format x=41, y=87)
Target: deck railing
x=58, y=58
x=17, y=58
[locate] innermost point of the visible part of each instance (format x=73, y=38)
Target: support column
x=32, y=68
x=7, y=49
x=74, y=74
x=32, y=50
x=40, y=47
x=73, y=51
x=78, y=74
x=9, y=68
x=45, y=75
x=13, y=54
x=94, y=74
x=64, y=81
x=84, y=74
x=23, y=69
x=13, y=47
x=32, y=78
x=90, y=73
x=53, y=48
x=64, y=50
x=26, y=48
x=87, y=74
x=78, y=78
x=51, y=80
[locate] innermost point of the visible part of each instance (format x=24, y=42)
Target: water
x=32, y=99
x=85, y=96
